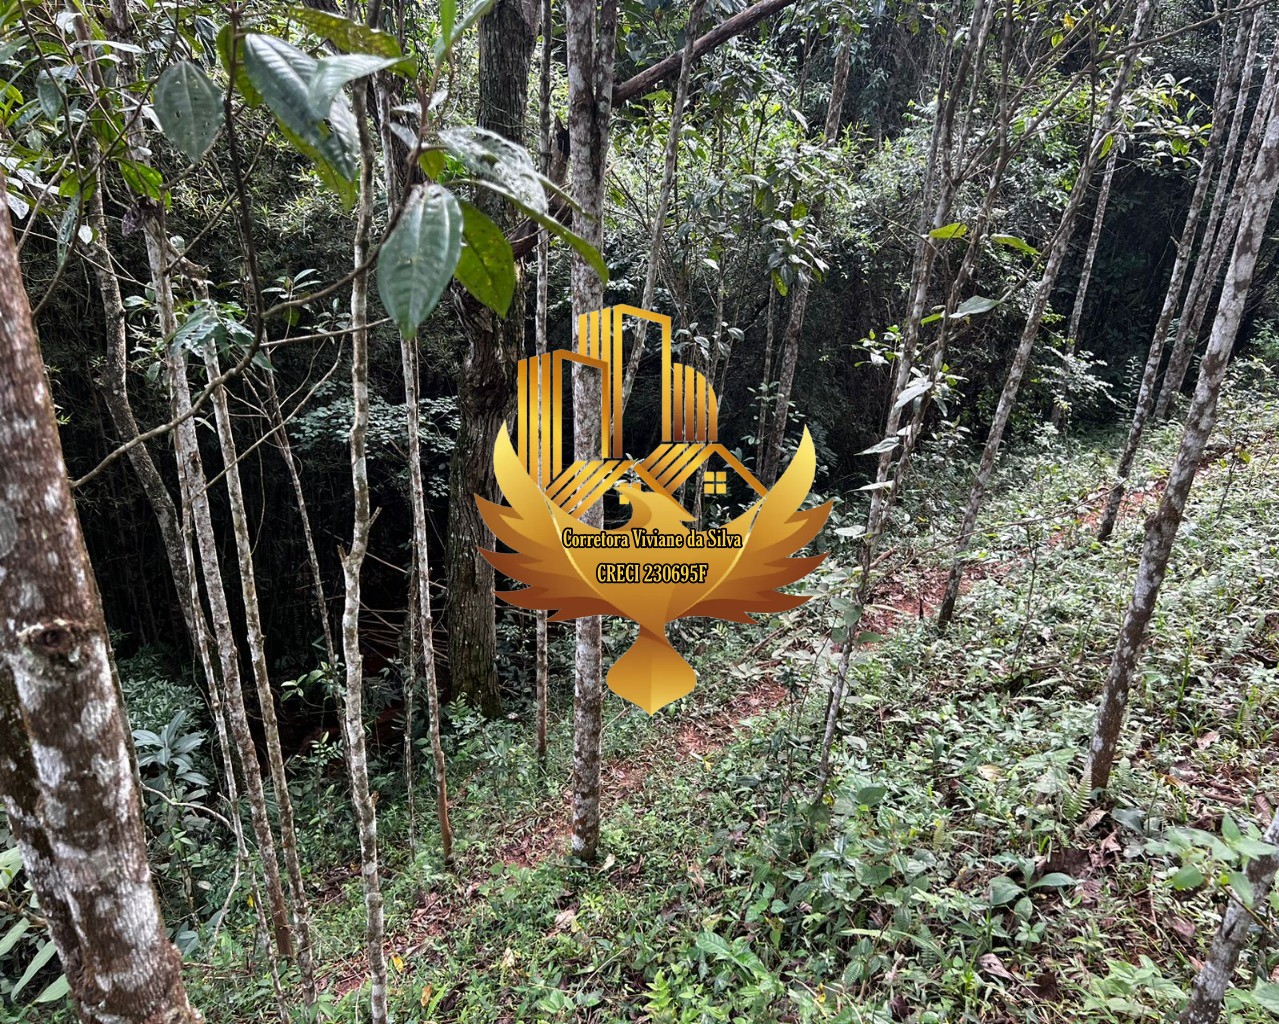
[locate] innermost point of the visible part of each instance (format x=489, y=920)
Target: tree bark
x=799, y=301
x=1255, y=201
x=352, y=564
x=424, y=627
x=592, y=42
x=486, y=390
x=261, y=676
x=1209, y=992
x=114, y=386
x=1034, y=317
x=540, y=317
x=1227, y=88
x=1223, y=222
x=66, y=776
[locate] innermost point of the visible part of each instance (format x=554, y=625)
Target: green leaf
x=913, y=390
x=67, y=228
x=1055, y=880
x=243, y=84
x=1003, y=890
x=448, y=15
x=870, y=796
x=449, y=38
x=56, y=990
x=12, y=936
x=493, y=158
x=1242, y=886
x=486, y=266
x=974, y=304
x=955, y=230
x=879, y=447
x=335, y=72
x=42, y=957
x=1253, y=847
x=1229, y=830
x=189, y=107
x=1188, y=877
x=49, y=95
x=579, y=244
x=282, y=74
x=144, y=180
x=1013, y=242
x=419, y=257
x=352, y=36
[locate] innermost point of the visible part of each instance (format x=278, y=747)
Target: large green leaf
x=189, y=107
x=335, y=72
x=42, y=957
x=243, y=84
x=486, y=266
x=493, y=158
x=282, y=74
x=352, y=36
x=419, y=257
x=575, y=241
x=452, y=30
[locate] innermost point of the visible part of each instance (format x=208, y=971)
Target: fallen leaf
x=1182, y=927
x=990, y=772
x=1207, y=739
x=992, y=965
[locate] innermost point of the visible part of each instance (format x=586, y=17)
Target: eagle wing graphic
x=533, y=525
x=774, y=528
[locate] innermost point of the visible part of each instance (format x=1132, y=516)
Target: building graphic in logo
x=655, y=568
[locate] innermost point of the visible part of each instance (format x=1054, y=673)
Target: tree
x=1224, y=101
x=591, y=31
x=486, y=389
x=66, y=771
x=1254, y=200
x=1210, y=987
x=1039, y=305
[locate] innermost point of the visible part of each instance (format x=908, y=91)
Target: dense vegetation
x=1011, y=264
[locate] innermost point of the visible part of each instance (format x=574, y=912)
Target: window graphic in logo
x=655, y=568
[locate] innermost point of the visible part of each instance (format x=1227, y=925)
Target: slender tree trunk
x=1038, y=306
x=115, y=393
x=592, y=42
x=1060, y=410
x=1223, y=223
x=765, y=380
x=540, y=316
x=261, y=676
x=424, y=625
x=66, y=775
x=1227, y=86
x=409, y=658
x=663, y=199
x=1214, y=977
x=486, y=390
x=352, y=564
x=193, y=488
x=280, y=429
x=939, y=190
x=799, y=302
x=1255, y=200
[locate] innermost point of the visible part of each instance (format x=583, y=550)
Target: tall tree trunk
x=799, y=301
x=486, y=390
x=1060, y=409
x=592, y=44
x=936, y=203
x=424, y=628
x=1227, y=87
x=1255, y=200
x=66, y=775
x=193, y=488
x=353, y=563
x=1209, y=992
x=281, y=433
x=540, y=317
x=261, y=676
x=663, y=200
x=115, y=393
x=1038, y=306
x=1223, y=222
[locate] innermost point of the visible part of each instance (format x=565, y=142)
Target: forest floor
x=954, y=870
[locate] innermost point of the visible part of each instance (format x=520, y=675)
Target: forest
x=679, y=512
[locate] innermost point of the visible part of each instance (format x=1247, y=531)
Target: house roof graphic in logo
x=690, y=414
